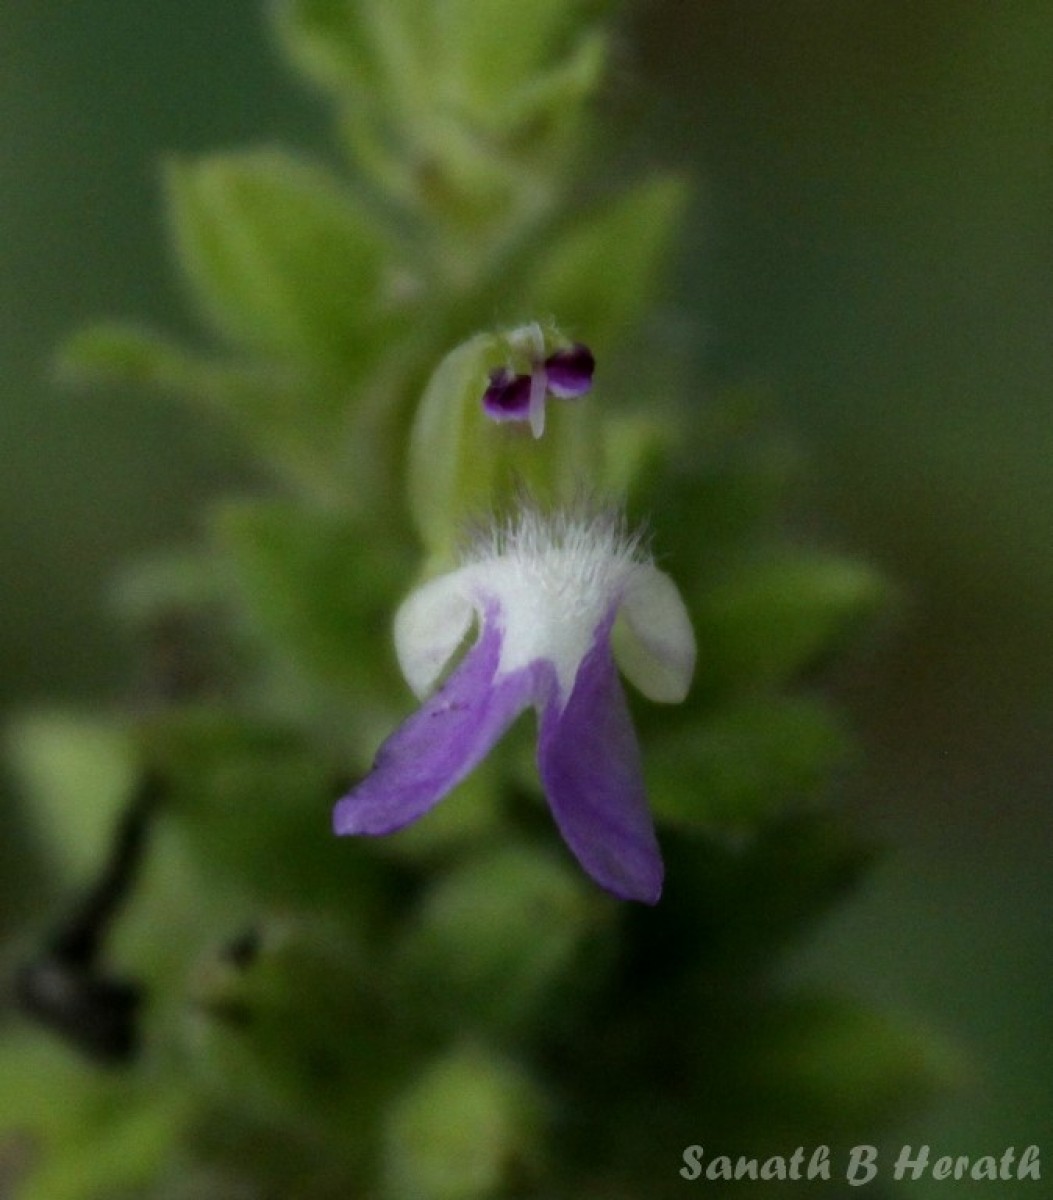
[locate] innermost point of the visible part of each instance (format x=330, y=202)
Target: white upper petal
x=429, y=626
x=654, y=643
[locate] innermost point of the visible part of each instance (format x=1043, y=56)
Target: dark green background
x=872, y=242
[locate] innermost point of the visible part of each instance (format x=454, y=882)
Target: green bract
x=462, y=467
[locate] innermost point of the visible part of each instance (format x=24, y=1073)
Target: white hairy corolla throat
x=555, y=580
x=551, y=583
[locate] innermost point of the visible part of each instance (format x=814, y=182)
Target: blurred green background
x=871, y=243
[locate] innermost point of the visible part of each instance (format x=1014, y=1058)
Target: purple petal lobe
x=570, y=371
x=590, y=767
x=508, y=396
x=435, y=748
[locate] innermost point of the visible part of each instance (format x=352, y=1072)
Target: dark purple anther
x=569, y=372
x=566, y=374
x=508, y=396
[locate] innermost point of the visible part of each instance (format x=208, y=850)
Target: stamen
x=569, y=372
x=508, y=398
x=516, y=395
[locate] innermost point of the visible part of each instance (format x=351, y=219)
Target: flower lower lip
x=554, y=657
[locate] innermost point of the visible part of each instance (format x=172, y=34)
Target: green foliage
x=117, y=1154
x=745, y=763
x=454, y=1012
x=846, y=1066
x=769, y=620
x=468, y=1128
x=282, y=258
x=501, y=944
x=304, y=579
x=220, y=767
x=600, y=270
x=460, y=111
x=77, y=772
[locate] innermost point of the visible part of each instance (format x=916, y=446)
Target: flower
x=565, y=374
x=545, y=592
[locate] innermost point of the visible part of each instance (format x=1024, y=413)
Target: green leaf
x=252, y=800
x=319, y=587
x=293, y=417
x=174, y=583
x=44, y=1089
x=331, y=41
x=469, y=1128
x=599, y=275
x=78, y=773
x=743, y=764
x=506, y=942
x=118, y=353
x=634, y=445
x=501, y=45
x=288, y=1027
x=768, y=621
x=477, y=58
x=737, y=902
x=379, y=60
x=284, y=260
x=114, y=352
x=852, y=1070
x=723, y=488
x=508, y=63
x=546, y=109
x=127, y=1151
x=90, y=1134
x=462, y=112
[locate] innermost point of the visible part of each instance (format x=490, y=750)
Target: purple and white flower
x=545, y=593
x=520, y=396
